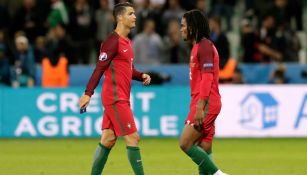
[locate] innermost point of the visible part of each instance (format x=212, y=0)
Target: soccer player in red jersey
x=198, y=132
x=116, y=64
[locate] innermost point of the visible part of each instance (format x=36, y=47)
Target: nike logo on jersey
x=125, y=50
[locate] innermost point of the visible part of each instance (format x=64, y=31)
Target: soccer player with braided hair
x=198, y=132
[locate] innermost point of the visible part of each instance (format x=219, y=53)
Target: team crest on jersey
x=103, y=56
x=129, y=125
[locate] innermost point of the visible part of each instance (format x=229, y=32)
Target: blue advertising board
x=39, y=112
x=160, y=111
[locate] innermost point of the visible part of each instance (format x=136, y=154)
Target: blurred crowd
x=58, y=33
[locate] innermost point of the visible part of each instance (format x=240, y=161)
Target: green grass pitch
x=160, y=157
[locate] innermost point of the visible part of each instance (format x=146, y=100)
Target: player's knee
x=112, y=140
x=109, y=142
x=132, y=139
x=137, y=139
x=206, y=146
x=185, y=144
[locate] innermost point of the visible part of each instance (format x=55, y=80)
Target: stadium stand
x=37, y=27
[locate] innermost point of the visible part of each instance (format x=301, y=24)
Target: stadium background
x=262, y=128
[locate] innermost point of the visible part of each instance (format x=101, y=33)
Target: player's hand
x=146, y=79
x=84, y=101
x=199, y=119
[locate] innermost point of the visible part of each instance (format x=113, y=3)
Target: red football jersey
x=204, y=75
x=116, y=63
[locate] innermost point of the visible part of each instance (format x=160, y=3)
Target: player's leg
x=103, y=149
x=107, y=141
x=187, y=143
x=124, y=125
x=134, y=154
x=206, y=141
x=206, y=146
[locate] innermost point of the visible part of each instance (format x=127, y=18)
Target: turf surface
x=160, y=157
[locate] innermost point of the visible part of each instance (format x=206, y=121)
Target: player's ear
x=119, y=18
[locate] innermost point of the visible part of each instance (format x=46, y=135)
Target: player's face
x=184, y=29
x=129, y=17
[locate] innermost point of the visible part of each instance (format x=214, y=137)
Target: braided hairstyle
x=197, y=25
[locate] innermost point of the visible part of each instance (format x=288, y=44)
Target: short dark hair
x=197, y=25
x=120, y=8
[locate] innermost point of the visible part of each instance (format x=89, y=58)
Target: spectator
x=173, y=12
x=58, y=13
x=55, y=65
x=220, y=40
x=287, y=43
x=24, y=66
x=256, y=7
x=4, y=67
x=258, y=47
x=104, y=21
x=157, y=7
x=190, y=4
x=40, y=50
x=295, y=9
x=82, y=29
x=236, y=77
x=223, y=8
x=146, y=12
x=284, y=10
x=249, y=42
x=278, y=76
x=176, y=50
x=201, y=5
x=267, y=37
x=27, y=19
x=60, y=45
x=5, y=45
x=5, y=18
x=55, y=72
x=279, y=11
x=158, y=4
x=148, y=45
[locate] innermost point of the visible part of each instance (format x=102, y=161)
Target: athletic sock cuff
x=133, y=148
x=104, y=147
x=192, y=150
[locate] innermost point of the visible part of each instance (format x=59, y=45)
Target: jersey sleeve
x=108, y=51
x=206, y=56
x=205, y=85
x=136, y=75
x=206, y=63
